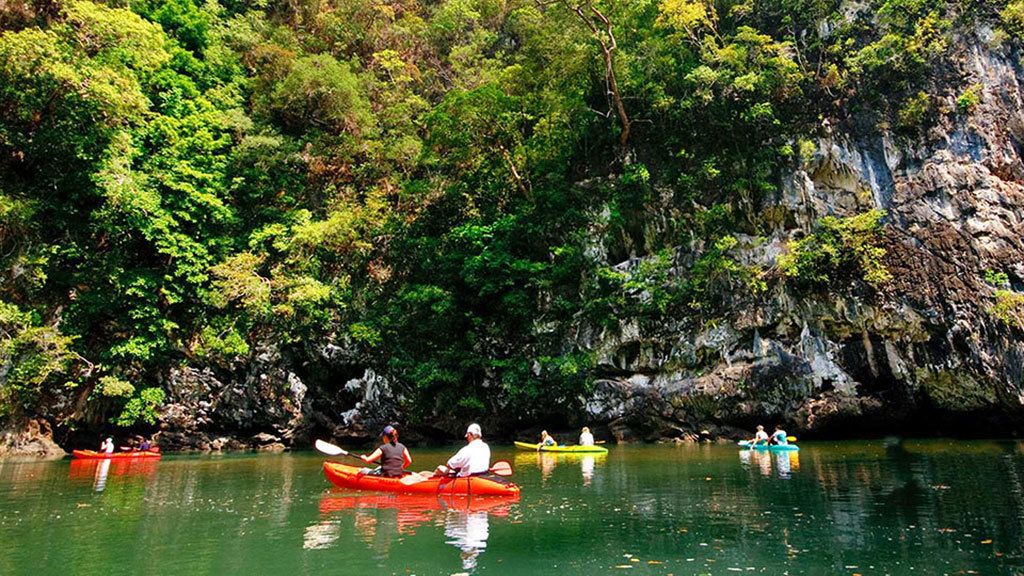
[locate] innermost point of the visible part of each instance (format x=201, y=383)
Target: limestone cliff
x=927, y=344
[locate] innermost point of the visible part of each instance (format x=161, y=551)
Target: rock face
x=266, y=406
x=258, y=407
x=926, y=345
x=32, y=440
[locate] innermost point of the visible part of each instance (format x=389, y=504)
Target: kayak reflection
x=377, y=518
x=546, y=462
x=784, y=462
x=99, y=470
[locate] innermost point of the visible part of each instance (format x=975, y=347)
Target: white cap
x=474, y=429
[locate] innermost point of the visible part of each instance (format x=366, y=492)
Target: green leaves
x=1013, y=17
x=320, y=93
x=141, y=408
x=34, y=355
x=839, y=251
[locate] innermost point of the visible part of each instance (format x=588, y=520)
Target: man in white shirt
x=472, y=459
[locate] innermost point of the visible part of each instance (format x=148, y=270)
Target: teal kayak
x=770, y=447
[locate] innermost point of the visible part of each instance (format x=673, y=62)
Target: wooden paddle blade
x=414, y=478
x=744, y=442
x=501, y=468
x=790, y=438
x=329, y=449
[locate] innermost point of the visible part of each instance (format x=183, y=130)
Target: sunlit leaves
x=694, y=17
x=321, y=93
x=839, y=250
x=32, y=355
x=238, y=279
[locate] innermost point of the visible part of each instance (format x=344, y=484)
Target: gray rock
x=31, y=439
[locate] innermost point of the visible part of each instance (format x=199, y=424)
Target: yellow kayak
x=564, y=449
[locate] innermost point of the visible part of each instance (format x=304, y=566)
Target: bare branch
x=601, y=28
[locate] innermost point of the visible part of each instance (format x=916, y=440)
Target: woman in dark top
x=393, y=455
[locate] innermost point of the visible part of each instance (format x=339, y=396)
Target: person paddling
x=779, y=436
x=546, y=440
x=393, y=455
x=586, y=438
x=144, y=444
x=107, y=446
x=473, y=459
x=761, y=437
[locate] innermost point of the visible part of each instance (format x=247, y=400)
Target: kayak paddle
x=501, y=468
x=332, y=450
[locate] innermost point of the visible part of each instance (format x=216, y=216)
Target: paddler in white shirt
x=473, y=459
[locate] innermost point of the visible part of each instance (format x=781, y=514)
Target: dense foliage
x=424, y=181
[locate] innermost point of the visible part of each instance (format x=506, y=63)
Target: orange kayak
x=345, y=476
x=93, y=455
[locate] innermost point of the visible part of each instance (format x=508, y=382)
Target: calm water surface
x=845, y=508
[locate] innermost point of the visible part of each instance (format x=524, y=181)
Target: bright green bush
x=969, y=99
x=1013, y=17
x=838, y=251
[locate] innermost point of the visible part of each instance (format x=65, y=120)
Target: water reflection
x=784, y=462
x=378, y=519
x=99, y=470
x=547, y=462
x=100, y=481
x=587, y=467
x=468, y=532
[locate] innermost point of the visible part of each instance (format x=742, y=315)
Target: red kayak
x=93, y=455
x=352, y=477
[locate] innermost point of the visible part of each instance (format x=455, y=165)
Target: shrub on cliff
x=838, y=251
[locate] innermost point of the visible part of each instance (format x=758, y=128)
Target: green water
x=845, y=508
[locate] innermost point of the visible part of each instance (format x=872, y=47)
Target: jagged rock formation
x=33, y=440
x=925, y=344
